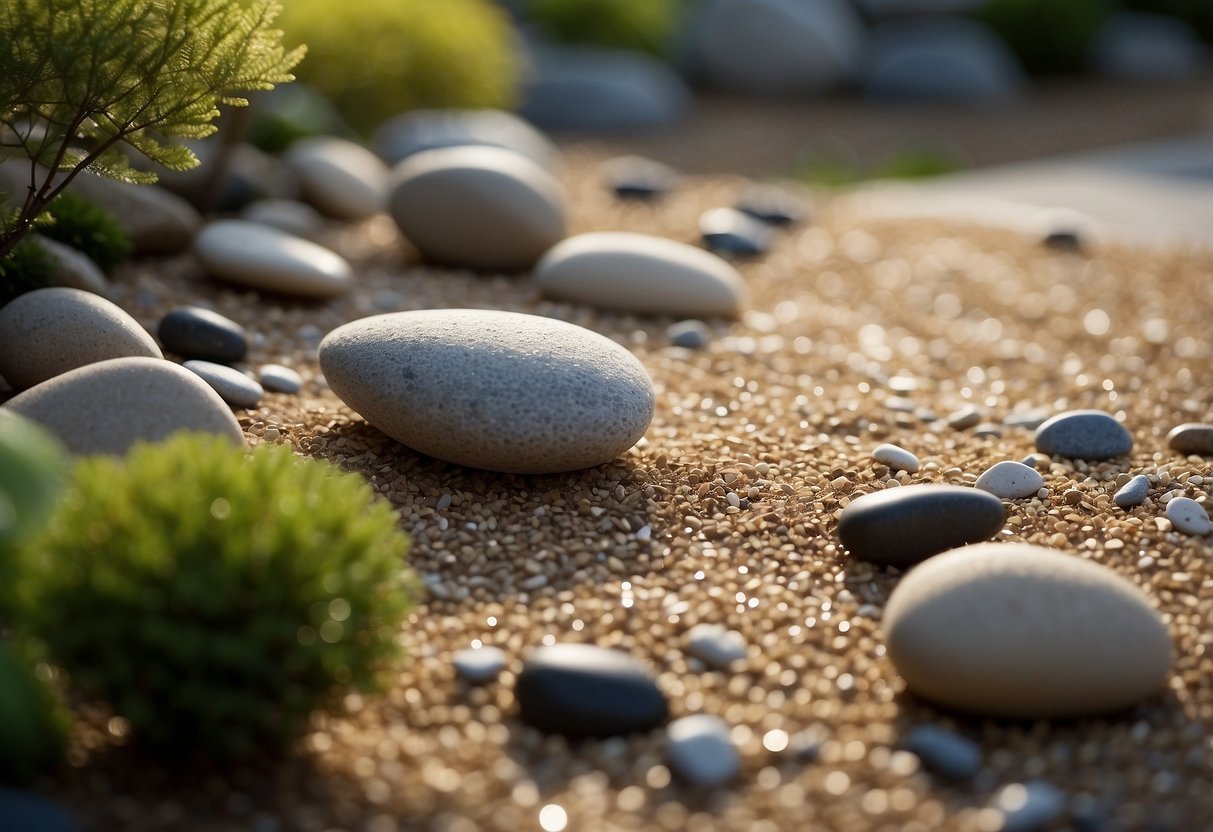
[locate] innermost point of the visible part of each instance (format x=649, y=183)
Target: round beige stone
x=266, y=258
x=47, y=332
x=641, y=273
x=501, y=391
x=106, y=407
x=1015, y=630
x=340, y=178
x=481, y=207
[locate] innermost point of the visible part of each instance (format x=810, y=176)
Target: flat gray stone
x=965, y=417
x=340, y=178
x=106, y=407
x=496, y=390
x=896, y=457
x=901, y=526
x=1010, y=480
x=287, y=215
x=262, y=257
x=1191, y=438
x=1188, y=516
x=197, y=332
x=700, y=750
x=944, y=752
x=479, y=664
x=1083, y=434
x=233, y=386
x=279, y=379
x=1133, y=493
x=47, y=332
x=715, y=646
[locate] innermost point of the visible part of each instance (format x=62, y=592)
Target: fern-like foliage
x=82, y=82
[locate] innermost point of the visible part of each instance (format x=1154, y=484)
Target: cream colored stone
x=640, y=273
x=1015, y=630
x=47, y=332
x=341, y=178
x=265, y=258
x=107, y=407
x=482, y=207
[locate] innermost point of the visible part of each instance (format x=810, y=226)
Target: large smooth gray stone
x=1083, y=434
x=901, y=526
x=262, y=257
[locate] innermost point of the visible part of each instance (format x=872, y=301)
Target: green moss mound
x=88, y=228
x=646, y=25
x=33, y=468
x=27, y=267
x=33, y=726
x=212, y=598
x=390, y=56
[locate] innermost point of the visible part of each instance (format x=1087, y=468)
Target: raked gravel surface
x=726, y=513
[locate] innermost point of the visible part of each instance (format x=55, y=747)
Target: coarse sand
x=726, y=513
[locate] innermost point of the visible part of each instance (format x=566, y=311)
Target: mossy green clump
x=33, y=725
x=646, y=25
x=88, y=228
x=27, y=267
x=1048, y=37
x=397, y=55
x=33, y=469
x=214, y=599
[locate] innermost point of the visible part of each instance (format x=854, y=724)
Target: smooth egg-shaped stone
x=901, y=526
x=581, y=690
x=107, y=407
x=233, y=386
x=641, y=273
x=1083, y=434
x=341, y=178
x=1010, y=480
x=482, y=207
x=262, y=257
x=501, y=391
x=47, y=332
x=196, y=332
x=1015, y=630
x=1194, y=438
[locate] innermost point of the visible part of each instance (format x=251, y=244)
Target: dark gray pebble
x=944, y=753
x=581, y=690
x=1083, y=434
x=635, y=177
x=1063, y=239
x=1191, y=438
x=771, y=205
x=691, y=335
x=1133, y=493
x=901, y=526
x=279, y=379
x=233, y=386
x=194, y=332
x=728, y=231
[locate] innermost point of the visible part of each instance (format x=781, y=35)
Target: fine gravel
x=726, y=513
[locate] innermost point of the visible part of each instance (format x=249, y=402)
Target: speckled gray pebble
x=715, y=646
x=47, y=332
x=479, y=664
x=279, y=379
x=700, y=750
x=496, y=390
x=1026, y=807
x=1188, y=516
x=194, y=332
x=233, y=386
x=1083, y=434
x=1010, y=480
x=1133, y=493
x=896, y=457
x=901, y=526
x=1194, y=438
x=692, y=334
x=944, y=752
x=106, y=407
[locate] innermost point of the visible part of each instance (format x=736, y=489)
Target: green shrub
x=27, y=267
x=396, y=55
x=88, y=228
x=213, y=599
x=33, y=725
x=646, y=25
x=1047, y=35
x=33, y=467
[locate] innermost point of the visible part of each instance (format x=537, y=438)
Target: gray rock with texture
x=1188, y=516
x=233, y=386
x=1083, y=434
x=1010, y=480
x=1133, y=493
x=496, y=390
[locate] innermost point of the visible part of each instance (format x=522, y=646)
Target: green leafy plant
x=84, y=81
x=33, y=724
x=215, y=599
x=88, y=228
x=397, y=55
x=647, y=25
x=29, y=266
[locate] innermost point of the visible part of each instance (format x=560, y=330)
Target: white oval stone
x=479, y=664
x=280, y=379
x=715, y=646
x=47, y=332
x=1015, y=630
x=641, y=273
x=262, y=257
x=501, y=391
x=341, y=178
x=106, y=407
x=1010, y=480
x=896, y=457
x=477, y=206
x=700, y=750
x=1188, y=516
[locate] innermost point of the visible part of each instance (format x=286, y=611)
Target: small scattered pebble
x=1194, y=438
x=341, y=178
x=987, y=430
x=479, y=664
x=583, y=690
x=1010, y=480
x=194, y=332
x=1188, y=516
x=771, y=205
x=965, y=417
x=1035, y=461
x=901, y=526
x=729, y=231
x=635, y=177
x=1083, y=434
x=1063, y=239
x=700, y=750
x=1027, y=807
x=287, y=215
x=896, y=457
x=691, y=334
x=279, y=379
x=1133, y=493
x=715, y=646
x=944, y=752
x=233, y=386
x=1031, y=419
